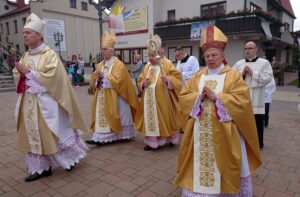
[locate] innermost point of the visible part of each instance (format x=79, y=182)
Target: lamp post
x=101, y=5
x=58, y=38
x=98, y=7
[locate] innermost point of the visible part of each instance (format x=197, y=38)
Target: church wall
x=13, y=38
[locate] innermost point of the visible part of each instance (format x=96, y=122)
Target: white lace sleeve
x=197, y=109
x=222, y=112
x=33, y=83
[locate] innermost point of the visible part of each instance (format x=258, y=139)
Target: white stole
x=207, y=178
x=150, y=108
x=101, y=124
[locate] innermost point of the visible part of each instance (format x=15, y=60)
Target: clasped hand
x=208, y=93
x=247, y=70
x=21, y=68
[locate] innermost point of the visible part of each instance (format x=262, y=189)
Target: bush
x=290, y=69
x=81, y=78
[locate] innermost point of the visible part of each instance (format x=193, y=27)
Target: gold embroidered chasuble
x=225, y=135
x=34, y=135
x=164, y=116
x=122, y=85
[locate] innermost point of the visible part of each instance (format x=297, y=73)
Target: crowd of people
x=11, y=59
x=219, y=108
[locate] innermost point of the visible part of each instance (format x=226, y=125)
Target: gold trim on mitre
x=108, y=40
x=153, y=43
x=34, y=23
x=212, y=37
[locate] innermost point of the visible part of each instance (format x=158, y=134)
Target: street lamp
x=58, y=38
x=101, y=5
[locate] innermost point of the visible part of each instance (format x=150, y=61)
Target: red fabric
x=21, y=85
x=214, y=44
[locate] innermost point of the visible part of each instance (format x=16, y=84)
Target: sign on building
x=53, y=26
x=136, y=22
x=197, y=27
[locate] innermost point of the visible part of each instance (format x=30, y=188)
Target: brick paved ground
x=122, y=170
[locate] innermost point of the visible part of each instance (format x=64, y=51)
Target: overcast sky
x=295, y=5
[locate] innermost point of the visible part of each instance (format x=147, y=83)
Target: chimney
x=20, y=4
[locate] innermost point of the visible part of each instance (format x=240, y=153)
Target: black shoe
x=148, y=148
x=92, y=142
x=266, y=124
x=37, y=176
x=171, y=144
x=71, y=168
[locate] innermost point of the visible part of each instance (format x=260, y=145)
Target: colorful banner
x=136, y=21
x=196, y=28
x=116, y=20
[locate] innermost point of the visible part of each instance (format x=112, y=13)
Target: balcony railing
x=240, y=25
x=230, y=26
x=174, y=32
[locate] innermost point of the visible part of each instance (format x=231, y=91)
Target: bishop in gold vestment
x=48, y=116
x=115, y=101
x=219, y=150
x=158, y=117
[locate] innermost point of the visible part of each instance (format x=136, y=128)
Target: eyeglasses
x=248, y=48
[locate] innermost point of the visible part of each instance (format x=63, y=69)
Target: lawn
x=294, y=82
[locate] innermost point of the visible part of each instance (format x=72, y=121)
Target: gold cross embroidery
x=211, y=84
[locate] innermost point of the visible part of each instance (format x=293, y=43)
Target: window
x=171, y=15
x=84, y=6
x=16, y=26
x=287, y=57
x=213, y=9
x=254, y=7
x=73, y=4
x=18, y=47
x=286, y=26
x=24, y=20
x=7, y=28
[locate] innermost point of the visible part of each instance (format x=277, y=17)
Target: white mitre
x=35, y=23
x=154, y=44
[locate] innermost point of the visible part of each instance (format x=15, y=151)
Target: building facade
x=75, y=19
x=179, y=23
x=267, y=22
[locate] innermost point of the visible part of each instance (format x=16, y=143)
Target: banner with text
x=136, y=21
